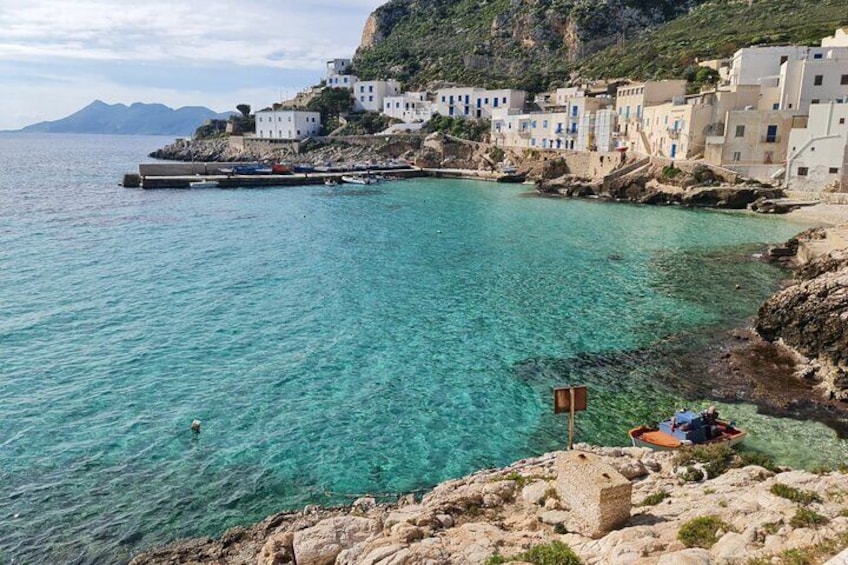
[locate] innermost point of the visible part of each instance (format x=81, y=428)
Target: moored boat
x=358, y=179
x=203, y=184
x=686, y=429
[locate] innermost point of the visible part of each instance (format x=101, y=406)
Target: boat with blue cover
x=687, y=428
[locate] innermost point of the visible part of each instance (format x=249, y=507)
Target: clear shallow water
x=332, y=341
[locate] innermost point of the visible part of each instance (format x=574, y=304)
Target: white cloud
x=67, y=40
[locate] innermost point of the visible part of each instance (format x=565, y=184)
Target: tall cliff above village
x=533, y=44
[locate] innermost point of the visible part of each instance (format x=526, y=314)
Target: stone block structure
x=598, y=495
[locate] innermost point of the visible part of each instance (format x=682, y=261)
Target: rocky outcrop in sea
x=811, y=317
x=707, y=509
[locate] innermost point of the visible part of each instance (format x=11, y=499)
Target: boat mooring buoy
x=195, y=426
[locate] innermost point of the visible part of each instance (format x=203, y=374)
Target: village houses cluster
x=777, y=114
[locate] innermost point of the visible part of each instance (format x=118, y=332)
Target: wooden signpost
x=572, y=399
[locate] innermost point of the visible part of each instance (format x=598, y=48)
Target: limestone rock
x=534, y=493
x=694, y=556
x=322, y=543
x=731, y=548
x=277, y=550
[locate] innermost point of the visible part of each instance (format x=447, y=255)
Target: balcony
x=770, y=139
x=673, y=133
x=715, y=140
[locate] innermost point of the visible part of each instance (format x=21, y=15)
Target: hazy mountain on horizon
x=137, y=119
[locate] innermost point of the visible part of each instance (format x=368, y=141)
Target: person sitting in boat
x=710, y=417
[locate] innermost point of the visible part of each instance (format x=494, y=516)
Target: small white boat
x=203, y=184
x=331, y=182
x=358, y=179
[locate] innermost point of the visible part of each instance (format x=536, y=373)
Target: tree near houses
x=244, y=109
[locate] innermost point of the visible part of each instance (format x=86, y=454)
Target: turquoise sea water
x=333, y=341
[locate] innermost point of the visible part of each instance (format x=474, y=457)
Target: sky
x=57, y=56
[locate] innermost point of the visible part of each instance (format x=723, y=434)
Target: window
x=843, y=80
x=545, y=124
x=802, y=171
x=775, y=106
x=841, y=121
x=737, y=156
x=817, y=80
x=740, y=131
x=361, y=89
x=783, y=59
x=370, y=98
x=370, y=89
x=818, y=55
x=833, y=171
x=815, y=101
x=771, y=134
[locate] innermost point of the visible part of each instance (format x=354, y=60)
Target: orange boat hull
x=643, y=436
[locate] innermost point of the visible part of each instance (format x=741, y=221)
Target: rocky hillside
x=702, y=507
x=512, y=43
x=534, y=44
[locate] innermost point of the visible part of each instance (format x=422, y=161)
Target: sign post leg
x=571, y=420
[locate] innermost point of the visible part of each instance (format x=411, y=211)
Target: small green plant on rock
x=554, y=553
x=701, y=531
x=716, y=459
x=806, y=518
x=794, y=494
x=496, y=559
x=670, y=171
x=655, y=498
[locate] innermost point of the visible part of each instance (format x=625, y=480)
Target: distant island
x=136, y=119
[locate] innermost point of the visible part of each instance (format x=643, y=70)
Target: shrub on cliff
x=554, y=553
x=702, y=531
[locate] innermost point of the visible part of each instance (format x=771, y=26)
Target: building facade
x=368, y=95
x=630, y=103
x=287, y=124
x=409, y=108
x=818, y=152
x=476, y=103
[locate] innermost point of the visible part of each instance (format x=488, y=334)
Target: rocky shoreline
x=743, y=513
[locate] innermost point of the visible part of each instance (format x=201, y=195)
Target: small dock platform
x=181, y=175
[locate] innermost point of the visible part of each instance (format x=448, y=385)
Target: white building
x=471, y=102
x=337, y=66
x=555, y=130
x=409, y=107
x=818, y=153
x=287, y=124
x=342, y=81
x=630, y=103
x=368, y=95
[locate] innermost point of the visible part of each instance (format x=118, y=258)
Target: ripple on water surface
x=331, y=341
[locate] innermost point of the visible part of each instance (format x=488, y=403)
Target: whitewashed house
x=477, y=103
x=368, y=95
x=409, y=107
x=818, y=153
x=287, y=124
x=630, y=103
x=342, y=81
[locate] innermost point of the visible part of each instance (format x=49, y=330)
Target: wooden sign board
x=562, y=399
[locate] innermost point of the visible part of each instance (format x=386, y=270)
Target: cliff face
x=522, y=43
x=534, y=44
x=811, y=316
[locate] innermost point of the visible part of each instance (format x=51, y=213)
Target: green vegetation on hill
x=499, y=43
x=717, y=29
x=540, y=44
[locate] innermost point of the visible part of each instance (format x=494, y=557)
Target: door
x=673, y=150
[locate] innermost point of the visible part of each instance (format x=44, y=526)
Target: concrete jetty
x=181, y=175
